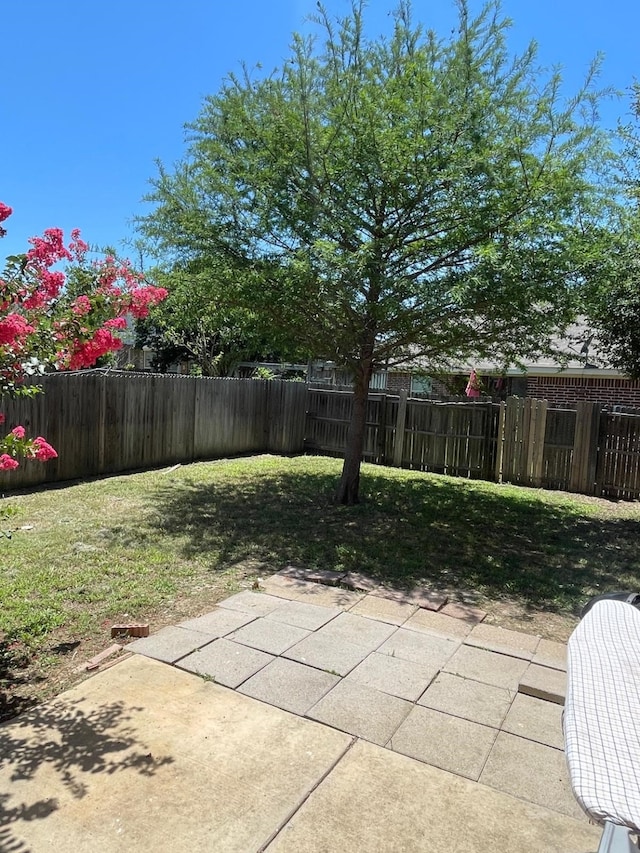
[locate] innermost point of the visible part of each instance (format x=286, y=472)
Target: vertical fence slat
x=400, y=430
x=583, y=466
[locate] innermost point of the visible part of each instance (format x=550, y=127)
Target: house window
x=378, y=381
x=421, y=384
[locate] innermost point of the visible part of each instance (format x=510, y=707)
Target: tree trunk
x=349, y=486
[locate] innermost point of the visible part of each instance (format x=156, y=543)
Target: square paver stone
x=384, y=609
x=450, y=743
x=361, y=711
x=170, y=644
x=551, y=654
x=535, y=719
x=285, y=587
x=469, y=614
x=323, y=576
x=377, y=801
x=359, y=581
x=368, y=633
x=497, y=639
x=268, y=636
x=255, y=603
x=330, y=596
x=487, y=667
x=531, y=771
x=402, y=678
x=439, y=624
x=289, y=685
x=419, y=597
x=325, y=653
x=219, y=622
x=472, y=700
x=303, y=615
x=426, y=649
x=227, y=663
x=277, y=590
x=544, y=683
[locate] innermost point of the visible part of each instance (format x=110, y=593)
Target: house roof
x=577, y=353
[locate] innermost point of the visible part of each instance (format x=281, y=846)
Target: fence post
x=382, y=430
x=196, y=414
x=500, y=442
x=512, y=440
x=398, y=446
x=535, y=451
x=585, y=448
x=101, y=421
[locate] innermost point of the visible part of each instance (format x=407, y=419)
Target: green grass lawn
x=162, y=546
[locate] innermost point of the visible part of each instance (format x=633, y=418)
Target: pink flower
x=1, y=418
x=42, y=450
x=81, y=306
x=87, y=353
x=18, y=432
x=115, y=323
x=52, y=282
x=7, y=463
x=49, y=249
x=36, y=301
x=142, y=298
x=13, y=326
x=77, y=246
x=5, y=211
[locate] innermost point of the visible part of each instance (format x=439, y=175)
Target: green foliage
x=263, y=373
x=613, y=295
x=387, y=201
x=201, y=322
x=7, y=512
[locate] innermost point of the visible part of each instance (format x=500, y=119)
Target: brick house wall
x=569, y=389
x=401, y=381
x=397, y=382
x=558, y=390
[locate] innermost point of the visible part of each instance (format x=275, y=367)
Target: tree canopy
x=394, y=199
x=612, y=302
x=199, y=322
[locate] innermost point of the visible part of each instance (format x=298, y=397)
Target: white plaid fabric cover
x=602, y=713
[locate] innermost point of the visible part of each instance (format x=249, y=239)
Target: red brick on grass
x=130, y=630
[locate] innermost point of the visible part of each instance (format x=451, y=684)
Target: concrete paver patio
x=351, y=725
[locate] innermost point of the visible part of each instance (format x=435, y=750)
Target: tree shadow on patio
x=73, y=743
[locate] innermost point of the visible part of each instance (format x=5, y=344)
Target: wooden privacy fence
x=447, y=438
x=104, y=423
x=523, y=441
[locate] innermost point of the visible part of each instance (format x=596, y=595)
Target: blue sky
x=93, y=93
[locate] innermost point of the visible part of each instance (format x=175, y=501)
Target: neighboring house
x=579, y=372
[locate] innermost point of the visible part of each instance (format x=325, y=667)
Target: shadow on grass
x=14, y=662
x=72, y=743
x=410, y=528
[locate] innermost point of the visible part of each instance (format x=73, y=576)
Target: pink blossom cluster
x=5, y=213
x=40, y=324
x=13, y=328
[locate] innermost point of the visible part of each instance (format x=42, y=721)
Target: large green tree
x=612, y=302
x=393, y=199
x=201, y=321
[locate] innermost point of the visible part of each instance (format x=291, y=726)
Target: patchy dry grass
x=164, y=546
